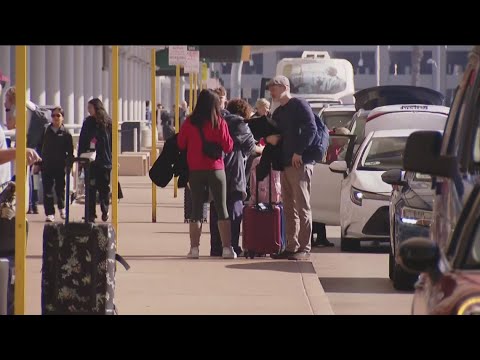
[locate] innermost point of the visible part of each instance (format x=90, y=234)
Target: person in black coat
x=96, y=135
x=244, y=146
x=55, y=148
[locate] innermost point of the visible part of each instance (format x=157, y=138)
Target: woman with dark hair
x=244, y=146
x=96, y=136
x=204, y=135
x=56, y=147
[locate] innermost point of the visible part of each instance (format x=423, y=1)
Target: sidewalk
x=162, y=281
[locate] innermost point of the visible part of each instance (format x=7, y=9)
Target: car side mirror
x=394, y=177
x=339, y=167
x=422, y=155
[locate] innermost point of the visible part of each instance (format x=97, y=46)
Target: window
x=400, y=62
x=456, y=62
x=473, y=253
x=226, y=68
x=327, y=77
x=476, y=135
x=337, y=119
x=425, y=67
x=363, y=62
x=383, y=153
x=462, y=119
x=255, y=66
x=338, y=148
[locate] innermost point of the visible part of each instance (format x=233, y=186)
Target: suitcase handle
x=269, y=188
x=86, y=165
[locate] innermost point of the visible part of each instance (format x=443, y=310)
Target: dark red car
x=450, y=281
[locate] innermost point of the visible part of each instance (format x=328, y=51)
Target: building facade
x=441, y=67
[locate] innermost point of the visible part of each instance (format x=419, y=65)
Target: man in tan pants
x=296, y=122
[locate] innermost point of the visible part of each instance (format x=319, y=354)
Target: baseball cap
x=279, y=80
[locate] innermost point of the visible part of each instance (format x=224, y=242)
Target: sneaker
x=283, y=255
x=62, y=214
x=35, y=209
x=105, y=217
x=228, y=253
x=300, y=255
x=50, y=218
x=193, y=253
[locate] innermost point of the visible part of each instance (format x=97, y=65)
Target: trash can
x=127, y=131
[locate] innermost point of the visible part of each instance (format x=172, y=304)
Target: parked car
x=453, y=160
x=410, y=216
x=450, y=279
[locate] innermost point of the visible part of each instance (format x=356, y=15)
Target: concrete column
x=88, y=74
x=97, y=72
x=37, y=74
x=158, y=91
x=12, y=64
x=120, y=90
x=106, y=89
x=167, y=92
x=442, y=65
x=144, y=88
x=5, y=68
x=171, y=106
x=182, y=89
x=382, y=56
x=124, y=87
x=236, y=80
x=53, y=75
x=29, y=73
x=79, y=81
x=131, y=83
x=136, y=87
x=67, y=96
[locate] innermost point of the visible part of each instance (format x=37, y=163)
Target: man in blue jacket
x=296, y=122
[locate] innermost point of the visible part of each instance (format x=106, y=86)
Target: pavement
x=163, y=281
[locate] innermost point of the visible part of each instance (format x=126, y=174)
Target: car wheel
x=348, y=244
x=403, y=280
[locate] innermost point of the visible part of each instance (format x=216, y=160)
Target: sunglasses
x=7, y=110
x=56, y=115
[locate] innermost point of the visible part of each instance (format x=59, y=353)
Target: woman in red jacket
x=206, y=169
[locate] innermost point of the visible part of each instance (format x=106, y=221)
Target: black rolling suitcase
x=79, y=263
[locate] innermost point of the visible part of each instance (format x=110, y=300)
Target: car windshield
x=313, y=77
x=383, y=153
x=337, y=119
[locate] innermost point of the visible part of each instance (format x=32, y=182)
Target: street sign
x=192, y=63
x=177, y=54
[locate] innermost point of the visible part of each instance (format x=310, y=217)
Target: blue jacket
x=296, y=123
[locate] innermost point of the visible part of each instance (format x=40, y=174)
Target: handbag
x=211, y=149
